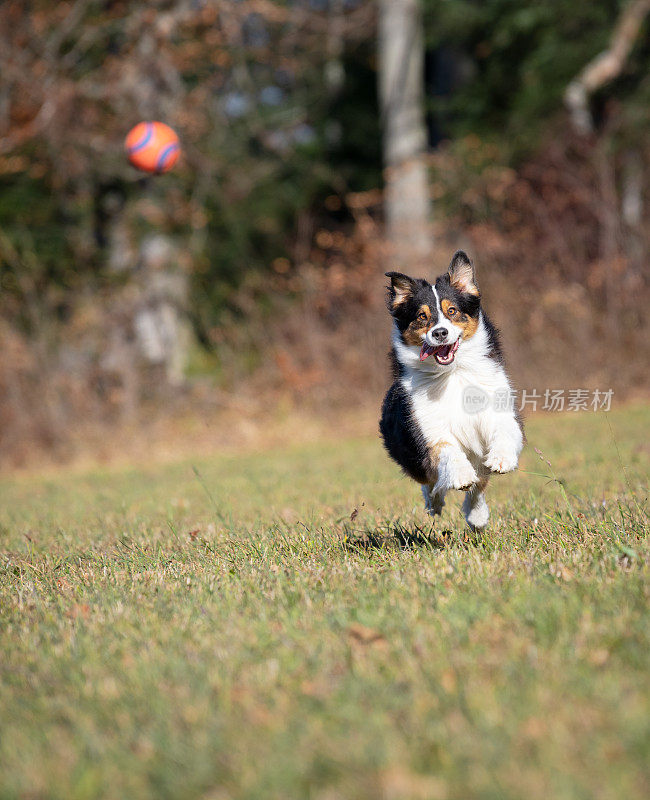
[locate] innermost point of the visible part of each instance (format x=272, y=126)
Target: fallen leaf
x=79, y=610
x=598, y=657
x=362, y=634
x=448, y=681
x=402, y=784
x=533, y=728
x=319, y=690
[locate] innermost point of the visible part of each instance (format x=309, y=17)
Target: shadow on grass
x=395, y=535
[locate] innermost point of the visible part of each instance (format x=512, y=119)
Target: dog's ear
x=400, y=289
x=461, y=273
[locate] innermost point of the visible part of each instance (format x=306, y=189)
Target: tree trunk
x=401, y=89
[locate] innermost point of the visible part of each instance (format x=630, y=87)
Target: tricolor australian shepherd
x=448, y=419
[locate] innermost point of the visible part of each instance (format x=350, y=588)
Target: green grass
x=221, y=628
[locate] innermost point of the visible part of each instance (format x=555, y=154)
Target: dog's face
x=437, y=318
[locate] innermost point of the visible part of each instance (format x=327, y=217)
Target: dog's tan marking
x=434, y=457
x=481, y=486
x=467, y=324
x=435, y=450
x=417, y=329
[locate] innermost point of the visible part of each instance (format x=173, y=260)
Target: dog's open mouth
x=443, y=353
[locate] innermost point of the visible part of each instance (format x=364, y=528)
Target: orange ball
x=152, y=147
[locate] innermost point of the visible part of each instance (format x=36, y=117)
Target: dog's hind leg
x=433, y=501
x=475, y=508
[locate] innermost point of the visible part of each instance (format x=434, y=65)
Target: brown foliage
x=562, y=273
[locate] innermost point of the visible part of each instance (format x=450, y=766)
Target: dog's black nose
x=439, y=334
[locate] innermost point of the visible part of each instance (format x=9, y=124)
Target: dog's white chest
x=440, y=415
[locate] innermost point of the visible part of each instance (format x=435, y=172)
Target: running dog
x=448, y=419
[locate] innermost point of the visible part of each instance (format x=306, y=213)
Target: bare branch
x=605, y=67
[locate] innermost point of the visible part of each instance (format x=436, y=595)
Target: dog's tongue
x=426, y=351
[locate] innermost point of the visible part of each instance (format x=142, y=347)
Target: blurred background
x=324, y=142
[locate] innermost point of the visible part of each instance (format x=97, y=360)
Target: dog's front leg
x=452, y=469
x=504, y=444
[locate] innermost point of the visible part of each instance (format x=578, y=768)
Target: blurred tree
x=256, y=91
x=401, y=81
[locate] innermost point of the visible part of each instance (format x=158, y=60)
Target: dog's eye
x=452, y=311
x=421, y=317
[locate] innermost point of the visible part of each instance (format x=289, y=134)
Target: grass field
x=287, y=624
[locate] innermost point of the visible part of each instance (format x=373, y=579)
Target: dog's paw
x=464, y=476
x=455, y=472
x=433, y=503
x=502, y=460
x=477, y=516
